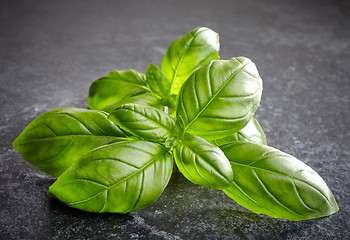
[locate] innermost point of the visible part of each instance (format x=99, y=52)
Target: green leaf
x=145, y=122
x=118, y=178
x=141, y=99
x=188, y=53
x=252, y=132
x=56, y=139
x=202, y=163
x=116, y=86
x=220, y=98
x=157, y=81
x=274, y=183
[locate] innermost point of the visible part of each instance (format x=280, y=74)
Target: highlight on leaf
x=117, y=178
x=145, y=122
x=277, y=184
x=252, y=132
x=115, y=87
x=188, y=53
x=202, y=163
x=220, y=98
x=58, y=138
x=141, y=99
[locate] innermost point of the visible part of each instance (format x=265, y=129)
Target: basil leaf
x=157, y=81
x=252, y=132
x=56, y=139
x=141, y=99
x=202, y=163
x=274, y=183
x=119, y=178
x=220, y=98
x=186, y=54
x=116, y=86
x=145, y=122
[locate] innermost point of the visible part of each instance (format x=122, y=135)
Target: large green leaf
x=116, y=86
x=274, y=183
x=186, y=54
x=220, y=98
x=157, y=81
x=56, y=139
x=252, y=132
x=119, y=178
x=202, y=163
x=145, y=122
x=141, y=99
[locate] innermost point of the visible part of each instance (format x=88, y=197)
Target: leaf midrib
x=216, y=170
x=283, y=175
x=131, y=83
x=71, y=135
x=250, y=198
x=122, y=180
x=145, y=116
x=179, y=62
x=215, y=95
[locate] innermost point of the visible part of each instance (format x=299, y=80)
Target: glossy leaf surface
x=118, y=178
x=252, y=132
x=220, y=98
x=188, y=53
x=116, y=86
x=141, y=99
x=145, y=122
x=157, y=81
x=202, y=163
x=56, y=139
x=274, y=183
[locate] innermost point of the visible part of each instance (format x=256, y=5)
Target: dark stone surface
x=51, y=51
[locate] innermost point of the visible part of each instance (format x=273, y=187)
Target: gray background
x=51, y=51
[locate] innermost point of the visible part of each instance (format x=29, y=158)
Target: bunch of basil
x=118, y=156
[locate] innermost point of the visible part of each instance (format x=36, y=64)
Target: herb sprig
x=197, y=110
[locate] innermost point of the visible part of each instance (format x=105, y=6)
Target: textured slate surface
x=51, y=51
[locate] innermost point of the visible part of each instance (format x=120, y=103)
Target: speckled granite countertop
x=51, y=51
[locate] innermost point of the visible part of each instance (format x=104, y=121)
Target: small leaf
x=141, y=99
x=116, y=86
x=56, y=139
x=252, y=132
x=145, y=122
x=188, y=53
x=274, y=183
x=170, y=102
x=157, y=81
x=118, y=178
x=202, y=163
x=220, y=98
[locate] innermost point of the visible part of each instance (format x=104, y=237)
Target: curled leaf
x=202, y=163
